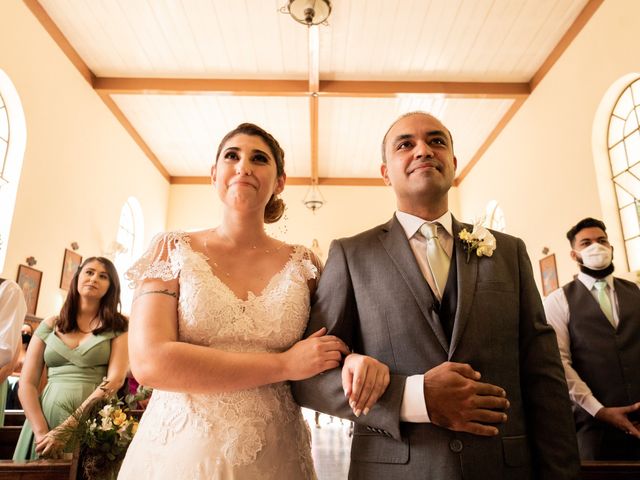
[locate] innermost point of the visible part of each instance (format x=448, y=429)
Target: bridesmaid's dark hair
x=109, y=309
x=275, y=207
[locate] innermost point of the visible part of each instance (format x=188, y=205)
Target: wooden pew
x=13, y=418
x=39, y=470
x=8, y=439
x=610, y=470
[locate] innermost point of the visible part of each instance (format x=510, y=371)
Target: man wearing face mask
x=597, y=320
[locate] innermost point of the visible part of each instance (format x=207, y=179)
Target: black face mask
x=597, y=273
x=26, y=338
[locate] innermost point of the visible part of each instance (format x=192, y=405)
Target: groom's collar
x=411, y=224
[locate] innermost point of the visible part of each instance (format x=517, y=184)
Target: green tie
x=603, y=299
x=437, y=258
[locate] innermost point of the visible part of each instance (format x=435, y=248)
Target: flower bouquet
x=140, y=399
x=103, y=432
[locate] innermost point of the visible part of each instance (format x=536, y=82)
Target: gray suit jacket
x=373, y=296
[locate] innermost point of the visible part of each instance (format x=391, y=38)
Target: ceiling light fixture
x=308, y=12
x=313, y=199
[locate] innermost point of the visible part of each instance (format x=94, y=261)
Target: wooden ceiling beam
x=194, y=86
x=349, y=88
x=327, y=88
x=351, y=182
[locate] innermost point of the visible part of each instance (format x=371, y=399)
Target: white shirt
x=13, y=308
x=414, y=407
x=556, y=309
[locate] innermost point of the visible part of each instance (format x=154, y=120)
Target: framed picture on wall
x=70, y=264
x=549, y=274
x=29, y=280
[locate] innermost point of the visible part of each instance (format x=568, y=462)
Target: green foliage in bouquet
x=103, y=432
x=142, y=393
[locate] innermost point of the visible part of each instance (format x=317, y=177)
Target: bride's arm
x=159, y=360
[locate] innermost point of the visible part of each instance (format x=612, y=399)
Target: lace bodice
x=210, y=314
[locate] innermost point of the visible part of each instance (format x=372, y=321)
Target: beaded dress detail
x=256, y=433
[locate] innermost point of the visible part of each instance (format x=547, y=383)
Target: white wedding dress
x=249, y=434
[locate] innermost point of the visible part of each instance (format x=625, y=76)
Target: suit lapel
x=394, y=241
x=467, y=275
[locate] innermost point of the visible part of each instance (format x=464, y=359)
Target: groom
x=477, y=387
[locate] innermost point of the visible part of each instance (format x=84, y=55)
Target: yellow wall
x=80, y=165
x=542, y=167
x=348, y=210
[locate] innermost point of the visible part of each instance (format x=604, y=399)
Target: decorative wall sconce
x=31, y=261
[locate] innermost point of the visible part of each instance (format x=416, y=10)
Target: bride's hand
x=364, y=380
x=313, y=355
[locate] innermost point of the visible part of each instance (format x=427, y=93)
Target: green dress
x=73, y=374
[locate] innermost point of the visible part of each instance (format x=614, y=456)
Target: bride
x=215, y=330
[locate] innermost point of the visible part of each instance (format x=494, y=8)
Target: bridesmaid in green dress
x=85, y=351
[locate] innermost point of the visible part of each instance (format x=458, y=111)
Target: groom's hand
x=456, y=400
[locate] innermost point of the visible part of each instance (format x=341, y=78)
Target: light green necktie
x=603, y=299
x=437, y=258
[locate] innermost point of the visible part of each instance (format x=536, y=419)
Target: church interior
x=111, y=113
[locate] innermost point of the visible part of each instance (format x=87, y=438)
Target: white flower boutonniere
x=479, y=240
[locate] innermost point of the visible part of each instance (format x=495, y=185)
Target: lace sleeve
x=311, y=264
x=161, y=260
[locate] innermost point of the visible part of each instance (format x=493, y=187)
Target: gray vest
x=605, y=358
x=445, y=310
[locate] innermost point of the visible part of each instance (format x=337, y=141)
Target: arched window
x=624, y=158
x=128, y=246
x=13, y=138
x=494, y=217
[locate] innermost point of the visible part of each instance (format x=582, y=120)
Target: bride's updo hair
x=275, y=207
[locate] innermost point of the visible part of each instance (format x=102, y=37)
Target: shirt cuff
x=591, y=405
x=414, y=408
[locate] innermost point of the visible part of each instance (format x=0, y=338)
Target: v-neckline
x=80, y=344
x=250, y=295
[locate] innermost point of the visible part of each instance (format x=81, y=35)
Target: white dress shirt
x=556, y=309
x=13, y=308
x=414, y=408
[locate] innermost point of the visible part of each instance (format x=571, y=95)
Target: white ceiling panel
x=461, y=40
x=351, y=129
x=183, y=38
x=444, y=40
x=184, y=130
